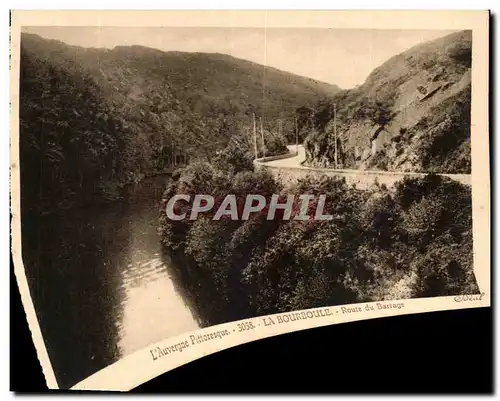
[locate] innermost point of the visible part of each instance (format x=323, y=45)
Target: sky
x=344, y=57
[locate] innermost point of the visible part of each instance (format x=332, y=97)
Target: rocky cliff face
x=411, y=114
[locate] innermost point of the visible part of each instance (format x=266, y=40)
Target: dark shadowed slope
x=93, y=120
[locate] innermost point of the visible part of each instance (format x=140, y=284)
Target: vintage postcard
x=187, y=181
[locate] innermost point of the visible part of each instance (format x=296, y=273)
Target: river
x=101, y=285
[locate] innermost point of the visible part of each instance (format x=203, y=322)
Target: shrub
x=233, y=159
x=415, y=241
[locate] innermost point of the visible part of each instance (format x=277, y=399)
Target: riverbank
x=409, y=242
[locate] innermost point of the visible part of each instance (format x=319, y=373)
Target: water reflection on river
x=100, y=284
x=152, y=307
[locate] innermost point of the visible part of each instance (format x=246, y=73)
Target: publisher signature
x=469, y=297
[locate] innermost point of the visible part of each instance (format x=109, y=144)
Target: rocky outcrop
x=411, y=114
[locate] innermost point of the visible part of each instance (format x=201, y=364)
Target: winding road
x=297, y=156
x=288, y=168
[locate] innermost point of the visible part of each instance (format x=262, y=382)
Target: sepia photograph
x=176, y=178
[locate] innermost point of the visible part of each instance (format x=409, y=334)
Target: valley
x=108, y=136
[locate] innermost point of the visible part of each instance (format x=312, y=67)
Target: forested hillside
x=92, y=120
x=411, y=114
x=415, y=241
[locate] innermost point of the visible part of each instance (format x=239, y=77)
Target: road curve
x=291, y=165
x=297, y=156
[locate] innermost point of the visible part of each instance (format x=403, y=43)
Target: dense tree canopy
x=380, y=245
